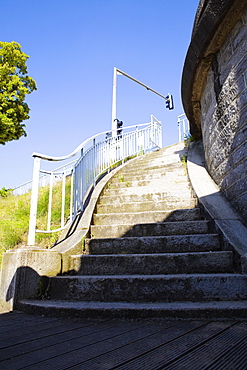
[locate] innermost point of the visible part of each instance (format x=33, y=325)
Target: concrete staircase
x=151, y=253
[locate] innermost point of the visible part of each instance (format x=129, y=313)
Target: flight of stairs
x=151, y=254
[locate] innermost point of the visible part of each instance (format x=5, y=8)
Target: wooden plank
x=49, y=343
x=154, y=354
x=217, y=347
x=95, y=334
x=76, y=353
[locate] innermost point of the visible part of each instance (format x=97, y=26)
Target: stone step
x=151, y=244
x=150, y=288
x=147, y=166
x=146, y=217
x=144, y=191
x=125, y=184
x=142, y=168
x=126, y=207
x=121, y=179
x=152, y=174
x=149, y=197
x=151, y=229
x=150, y=264
x=133, y=181
x=108, y=310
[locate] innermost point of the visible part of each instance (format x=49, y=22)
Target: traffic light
x=119, y=127
x=169, y=102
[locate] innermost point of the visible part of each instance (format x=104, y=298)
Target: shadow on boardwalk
x=35, y=342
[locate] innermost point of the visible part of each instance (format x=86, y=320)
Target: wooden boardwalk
x=35, y=342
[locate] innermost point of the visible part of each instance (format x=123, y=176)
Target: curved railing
x=96, y=155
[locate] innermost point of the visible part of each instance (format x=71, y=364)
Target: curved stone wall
x=214, y=93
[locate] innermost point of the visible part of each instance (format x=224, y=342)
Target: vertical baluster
x=50, y=202
x=71, y=195
x=63, y=200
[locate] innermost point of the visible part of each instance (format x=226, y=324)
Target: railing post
x=50, y=202
x=183, y=126
x=184, y=129
x=34, y=202
x=72, y=212
x=63, y=199
x=179, y=132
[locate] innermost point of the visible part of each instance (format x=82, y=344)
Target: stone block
x=240, y=153
x=231, y=177
x=241, y=100
x=237, y=189
x=241, y=67
x=240, y=204
x=240, y=36
x=243, y=120
x=225, y=53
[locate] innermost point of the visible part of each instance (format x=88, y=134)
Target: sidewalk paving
x=36, y=342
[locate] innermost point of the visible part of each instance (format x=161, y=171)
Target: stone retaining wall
x=214, y=93
x=224, y=117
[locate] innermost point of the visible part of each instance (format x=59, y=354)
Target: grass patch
x=187, y=140
x=184, y=162
x=14, y=218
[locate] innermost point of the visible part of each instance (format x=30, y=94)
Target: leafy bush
x=5, y=192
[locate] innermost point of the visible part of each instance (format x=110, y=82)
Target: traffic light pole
x=114, y=104
x=168, y=98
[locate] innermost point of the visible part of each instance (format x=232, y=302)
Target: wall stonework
x=224, y=117
x=214, y=93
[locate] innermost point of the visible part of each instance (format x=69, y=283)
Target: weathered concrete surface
x=228, y=221
x=187, y=310
x=157, y=263
x=73, y=239
x=25, y=273
x=149, y=275
x=146, y=206
x=150, y=229
x=147, y=217
x=152, y=244
x=24, y=268
x=150, y=288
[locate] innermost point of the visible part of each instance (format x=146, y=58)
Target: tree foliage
x=15, y=84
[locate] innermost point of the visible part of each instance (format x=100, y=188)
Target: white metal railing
x=23, y=188
x=96, y=156
x=44, y=179
x=183, y=127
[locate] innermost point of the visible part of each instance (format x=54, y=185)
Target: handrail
x=27, y=186
x=92, y=163
x=82, y=145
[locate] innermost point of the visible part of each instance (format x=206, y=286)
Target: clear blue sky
x=73, y=47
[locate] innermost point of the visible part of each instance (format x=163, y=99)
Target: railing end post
x=34, y=202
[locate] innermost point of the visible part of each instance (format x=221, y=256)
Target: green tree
x=15, y=84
